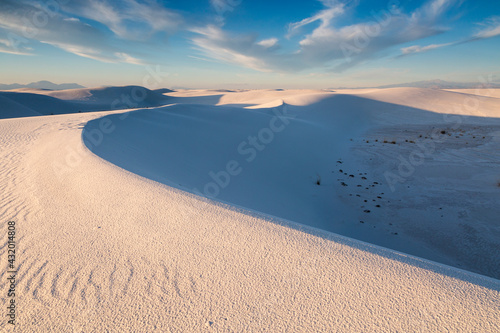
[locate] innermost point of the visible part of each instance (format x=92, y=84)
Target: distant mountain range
x=41, y=85
x=430, y=84
x=440, y=84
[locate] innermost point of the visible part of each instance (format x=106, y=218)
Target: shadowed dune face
x=47, y=102
x=320, y=160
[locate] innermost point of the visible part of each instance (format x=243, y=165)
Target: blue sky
x=248, y=44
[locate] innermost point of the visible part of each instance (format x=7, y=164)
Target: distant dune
x=440, y=84
x=163, y=90
x=48, y=102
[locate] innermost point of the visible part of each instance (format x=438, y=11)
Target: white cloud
x=67, y=33
x=268, y=43
x=420, y=49
x=325, y=16
x=73, y=19
x=9, y=50
x=127, y=58
x=85, y=52
x=242, y=50
x=129, y=19
x=222, y=7
x=347, y=46
x=11, y=45
x=327, y=46
x=492, y=30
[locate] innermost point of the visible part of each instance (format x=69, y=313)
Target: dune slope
x=326, y=160
x=30, y=102
x=102, y=249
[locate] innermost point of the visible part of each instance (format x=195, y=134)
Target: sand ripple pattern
x=103, y=250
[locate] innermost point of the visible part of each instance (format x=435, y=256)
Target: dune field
x=362, y=210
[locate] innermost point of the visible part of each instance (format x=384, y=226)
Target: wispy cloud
x=8, y=50
x=222, y=7
x=492, y=30
x=128, y=19
x=419, y=49
x=268, y=43
x=62, y=27
x=118, y=32
x=328, y=46
x=347, y=46
x=11, y=45
x=240, y=50
x=326, y=16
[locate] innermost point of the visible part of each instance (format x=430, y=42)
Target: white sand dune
x=488, y=92
x=104, y=249
x=441, y=101
x=29, y=102
x=271, y=159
